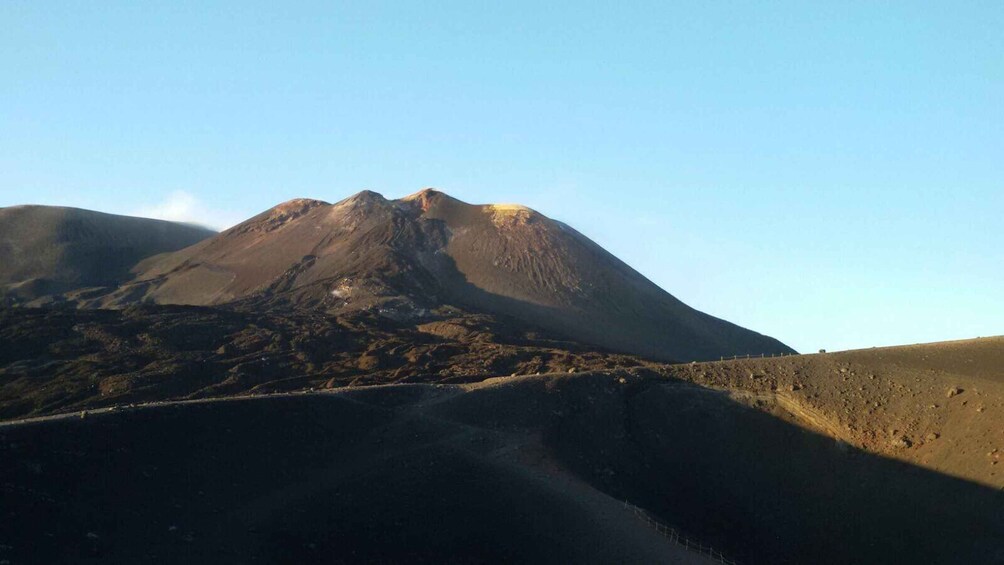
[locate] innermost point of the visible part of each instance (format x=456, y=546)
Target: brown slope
x=404, y=257
x=300, y=252
x=557, y=277
x=937, y=405
x=47, y=249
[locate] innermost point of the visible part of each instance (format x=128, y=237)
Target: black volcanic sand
x=523, y=469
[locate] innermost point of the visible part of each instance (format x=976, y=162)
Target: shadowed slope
x=47, y=249
x=531, y=469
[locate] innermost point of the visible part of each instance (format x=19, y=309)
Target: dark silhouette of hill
x=47, y=250
x=404, y=258
x=525, y=469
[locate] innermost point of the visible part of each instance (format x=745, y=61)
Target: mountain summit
x=403, y=258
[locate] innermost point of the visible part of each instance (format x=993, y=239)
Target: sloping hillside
x=46, y=250
x=937, y=405
x=525, y=469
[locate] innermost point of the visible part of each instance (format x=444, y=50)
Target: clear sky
x=829, y=173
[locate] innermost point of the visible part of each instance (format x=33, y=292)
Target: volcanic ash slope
x=404, y=257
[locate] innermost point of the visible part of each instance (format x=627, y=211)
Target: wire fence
x=752, y=356
x=679, y=539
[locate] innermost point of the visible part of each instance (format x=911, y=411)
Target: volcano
x=313, y=384
x=405, y=258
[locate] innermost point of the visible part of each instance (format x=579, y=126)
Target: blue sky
x=829, y=173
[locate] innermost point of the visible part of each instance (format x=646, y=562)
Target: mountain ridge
x=403, y=258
